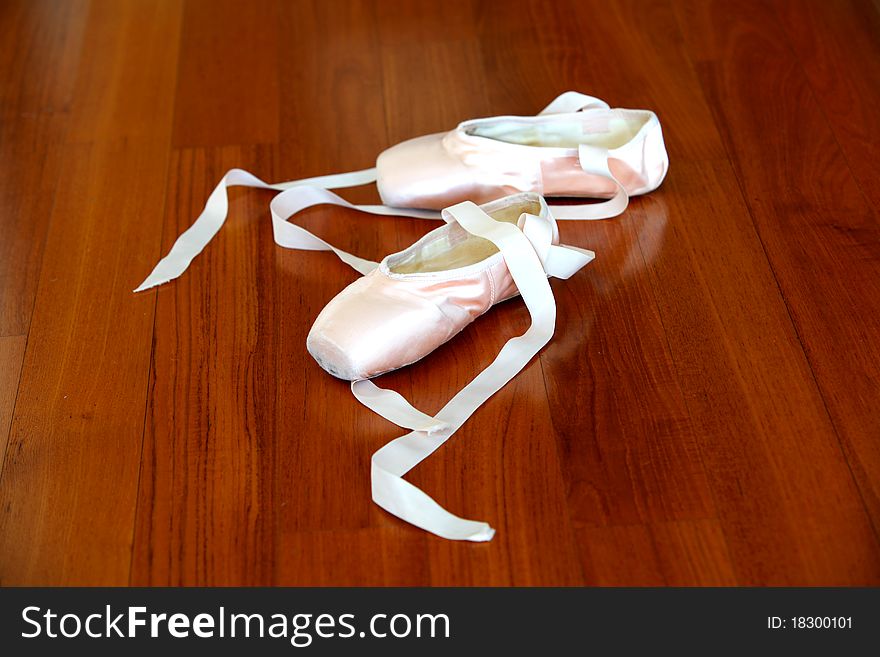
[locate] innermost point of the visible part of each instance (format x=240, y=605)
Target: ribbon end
x=483, y=536
x=143, y=287
x=150, y=282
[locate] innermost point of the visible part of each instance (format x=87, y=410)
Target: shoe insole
x=456, y=247
x=604, y=130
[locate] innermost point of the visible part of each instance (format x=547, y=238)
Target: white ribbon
x=297, y=193
x=529, y=268
x=569, y=102
x=592, y=159
x=530, y=256
x=306, y=192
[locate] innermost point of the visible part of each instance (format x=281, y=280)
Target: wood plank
x=831, y=43
x=629, y=444
x=432, y=78
x=703, y=416
x=837, y=44
x=206, y=497
x=332, y=120
x=69, y=484
x=68, y=489
x=11, y=356
x=625, y=437
x=536, y=50
x=820, y=239
x=745, y=518
x=326, y=558
x=39, y=50
x=683, y=553
x=40, y=43
x=126, y=79
x=228, y=84
x=646, y=55
x=502, y=466
x=778, y=476
x=29, y=168
x=746, y=521
x=290, y=489
x=206, y=507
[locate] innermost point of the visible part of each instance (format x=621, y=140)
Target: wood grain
x=611, y=355
x=820, y=239
x=40, y=44
x=227, y=83
x=11, y=356
x=705, y=414
x=70, y=477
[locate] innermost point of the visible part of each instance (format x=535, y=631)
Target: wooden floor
x=708, y=412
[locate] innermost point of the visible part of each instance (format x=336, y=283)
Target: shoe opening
x=603, y=128
x=452, y=247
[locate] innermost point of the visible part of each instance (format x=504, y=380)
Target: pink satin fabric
x=386, y=320
x=439, y=170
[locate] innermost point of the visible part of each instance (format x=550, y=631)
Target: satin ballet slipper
x=419, y=298
x=576, y=147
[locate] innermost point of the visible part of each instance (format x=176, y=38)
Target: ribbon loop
x=530, y=255
x=594, y=160
x=296, y=195
x=395, y=408
x=573, y=101
x=307, y=192
x=391, y=462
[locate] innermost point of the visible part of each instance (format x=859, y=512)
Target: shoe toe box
x=421, y=173
x=371, y=328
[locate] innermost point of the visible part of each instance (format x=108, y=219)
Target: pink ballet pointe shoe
x=419, y=298
x=414, y=301
x=576, y=147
